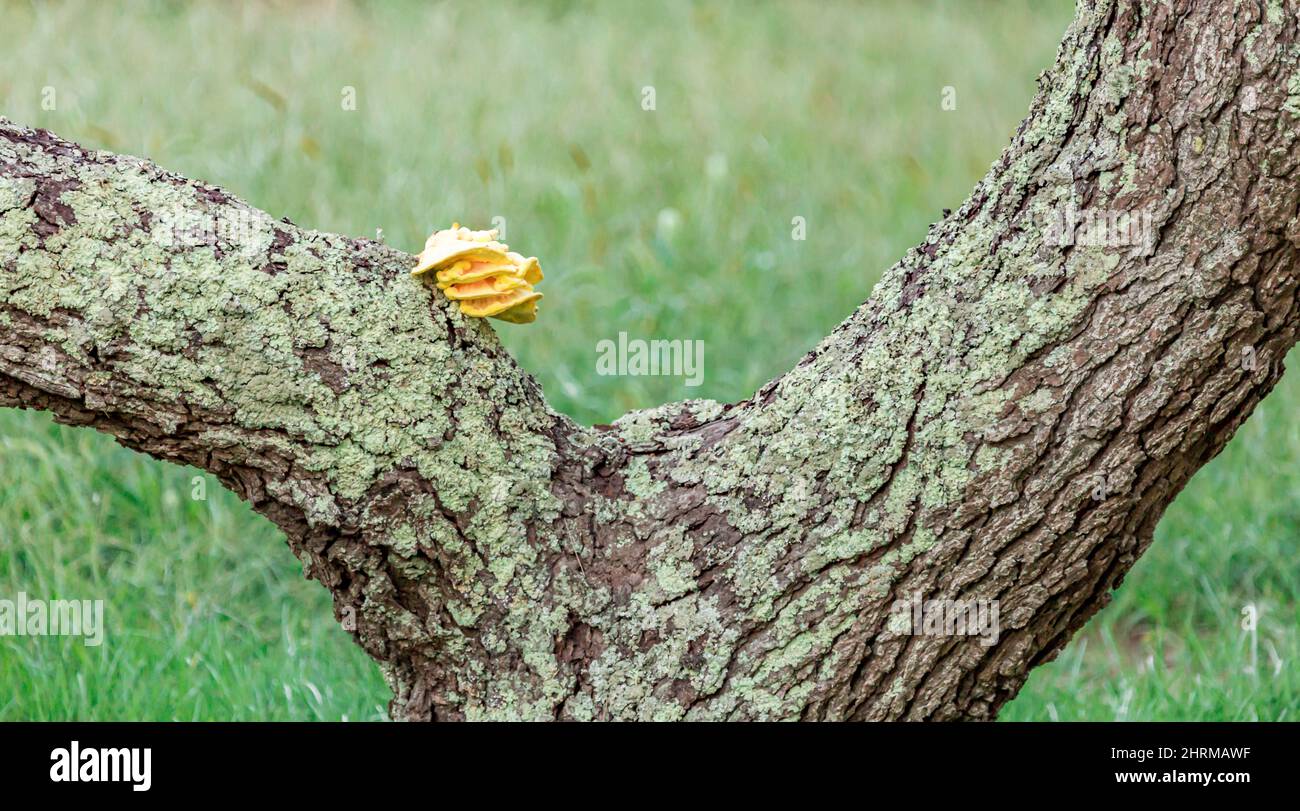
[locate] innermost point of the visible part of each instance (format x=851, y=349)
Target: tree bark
x=1004, y=420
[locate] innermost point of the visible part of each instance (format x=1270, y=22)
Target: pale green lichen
x=637, y=480
x=1292, y=103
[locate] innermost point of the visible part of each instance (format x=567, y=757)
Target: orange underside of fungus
x=484, y=275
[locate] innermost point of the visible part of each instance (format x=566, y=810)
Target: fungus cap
x=459, y=242
x=484, y=275
x=491, y=286
x=498, y=304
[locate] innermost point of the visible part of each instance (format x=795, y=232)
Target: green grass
x=532, y=112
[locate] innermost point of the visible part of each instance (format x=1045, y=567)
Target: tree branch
x=1004, y=420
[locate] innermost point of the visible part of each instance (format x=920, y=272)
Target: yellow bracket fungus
x=484, y=275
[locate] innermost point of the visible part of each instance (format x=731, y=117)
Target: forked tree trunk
x=1004, y=420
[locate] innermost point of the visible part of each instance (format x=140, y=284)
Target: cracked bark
x=1004, y=419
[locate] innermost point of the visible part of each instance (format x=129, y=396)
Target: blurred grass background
x=674, y=222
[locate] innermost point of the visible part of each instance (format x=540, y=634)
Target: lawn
x=387, y=119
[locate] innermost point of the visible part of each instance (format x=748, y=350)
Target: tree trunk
x=1002, y=423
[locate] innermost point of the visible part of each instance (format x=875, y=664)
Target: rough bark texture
x=1005, y=419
